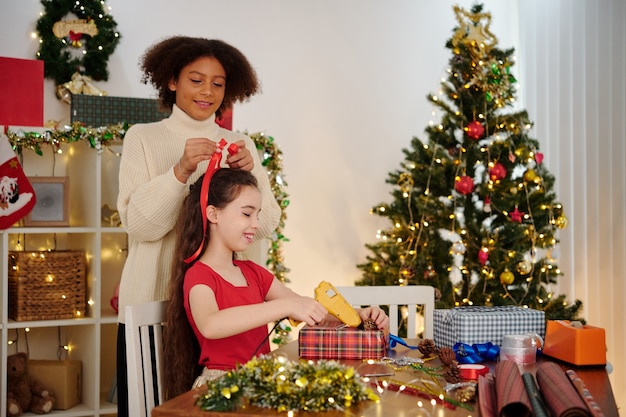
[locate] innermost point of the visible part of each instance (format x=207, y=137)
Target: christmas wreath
x=82, y=45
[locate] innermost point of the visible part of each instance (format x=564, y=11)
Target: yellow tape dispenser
x=328, y=296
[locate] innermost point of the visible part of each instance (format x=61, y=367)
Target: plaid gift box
x=481, y=324
x=334, y=340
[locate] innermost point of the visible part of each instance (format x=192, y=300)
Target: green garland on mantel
x=102, y=137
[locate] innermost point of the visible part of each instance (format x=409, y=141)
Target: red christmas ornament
x=512, y=157
x=538, y=157
x=497, y=172
x=475, y=130
x=483, y=255
x=516, y=215
x=464, y=184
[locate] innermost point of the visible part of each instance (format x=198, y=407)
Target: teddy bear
x=24, y=392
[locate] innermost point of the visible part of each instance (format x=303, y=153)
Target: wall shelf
x=92, y=339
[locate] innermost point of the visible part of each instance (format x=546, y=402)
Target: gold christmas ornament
x=507, y=277
x=524, y=267
x=530, y=175
x=561, y=222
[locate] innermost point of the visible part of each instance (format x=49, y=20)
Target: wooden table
x=391, y=403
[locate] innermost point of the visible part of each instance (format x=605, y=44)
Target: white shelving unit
x=91, y=339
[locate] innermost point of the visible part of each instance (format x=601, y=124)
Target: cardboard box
x=575, y=343
x=21, y=83
x=482, y=324
x=62, y=378
x=335, y=340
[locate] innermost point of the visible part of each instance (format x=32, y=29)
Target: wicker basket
x=46, y=285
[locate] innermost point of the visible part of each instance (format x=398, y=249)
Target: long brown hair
x=181, y=348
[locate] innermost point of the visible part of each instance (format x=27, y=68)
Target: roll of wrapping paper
x=539, y=407
x=580, y=386
x=558, y=392
x=511, y=394
x=487, y=396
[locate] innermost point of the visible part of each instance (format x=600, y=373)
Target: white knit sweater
x=150, y=198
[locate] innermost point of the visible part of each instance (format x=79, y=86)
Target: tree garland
x=94, y=31
x=100, y=138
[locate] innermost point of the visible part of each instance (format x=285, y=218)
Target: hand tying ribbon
x=476, y=353
x=214, y=165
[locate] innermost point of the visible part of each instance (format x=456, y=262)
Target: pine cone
x=451, y=373
x=427, y=347
x=369, y=324
x=447, y=355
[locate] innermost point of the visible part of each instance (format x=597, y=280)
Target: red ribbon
x=472, y=370
x=214, y=165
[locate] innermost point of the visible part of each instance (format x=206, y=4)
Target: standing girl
x=197, y=79
x=223, y=303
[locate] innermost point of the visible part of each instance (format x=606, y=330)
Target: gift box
x=575, y=343
x=335, y=340
x=63, y=379
x=99, y=111
x=21, y=83
x=482, y=324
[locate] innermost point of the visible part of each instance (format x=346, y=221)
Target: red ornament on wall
x=475, y=130
x=464, y=185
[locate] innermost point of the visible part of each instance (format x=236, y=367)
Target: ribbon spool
x=472, y=370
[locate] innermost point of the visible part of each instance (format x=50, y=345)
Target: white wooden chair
x=144, y=356
x=394, y=296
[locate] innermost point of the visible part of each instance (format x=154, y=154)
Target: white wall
x=344, y=86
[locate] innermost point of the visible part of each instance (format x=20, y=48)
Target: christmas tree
x=474, y=213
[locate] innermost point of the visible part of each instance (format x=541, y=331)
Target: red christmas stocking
x=17, y=197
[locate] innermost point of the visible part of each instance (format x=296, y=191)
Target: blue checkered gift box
x=481, y=324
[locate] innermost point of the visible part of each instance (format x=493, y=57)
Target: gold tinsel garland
x=283, y=385
x=100, y=138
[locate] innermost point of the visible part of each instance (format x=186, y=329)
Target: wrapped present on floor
x=335, y=340
x=482, y=324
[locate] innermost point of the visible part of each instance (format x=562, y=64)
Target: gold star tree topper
x=472, y=32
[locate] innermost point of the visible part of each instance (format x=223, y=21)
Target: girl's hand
x=306, y=309
x=375, y=313
x=242, y=159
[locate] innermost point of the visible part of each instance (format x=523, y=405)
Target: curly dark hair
x=164, y=60
x=181, y=348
